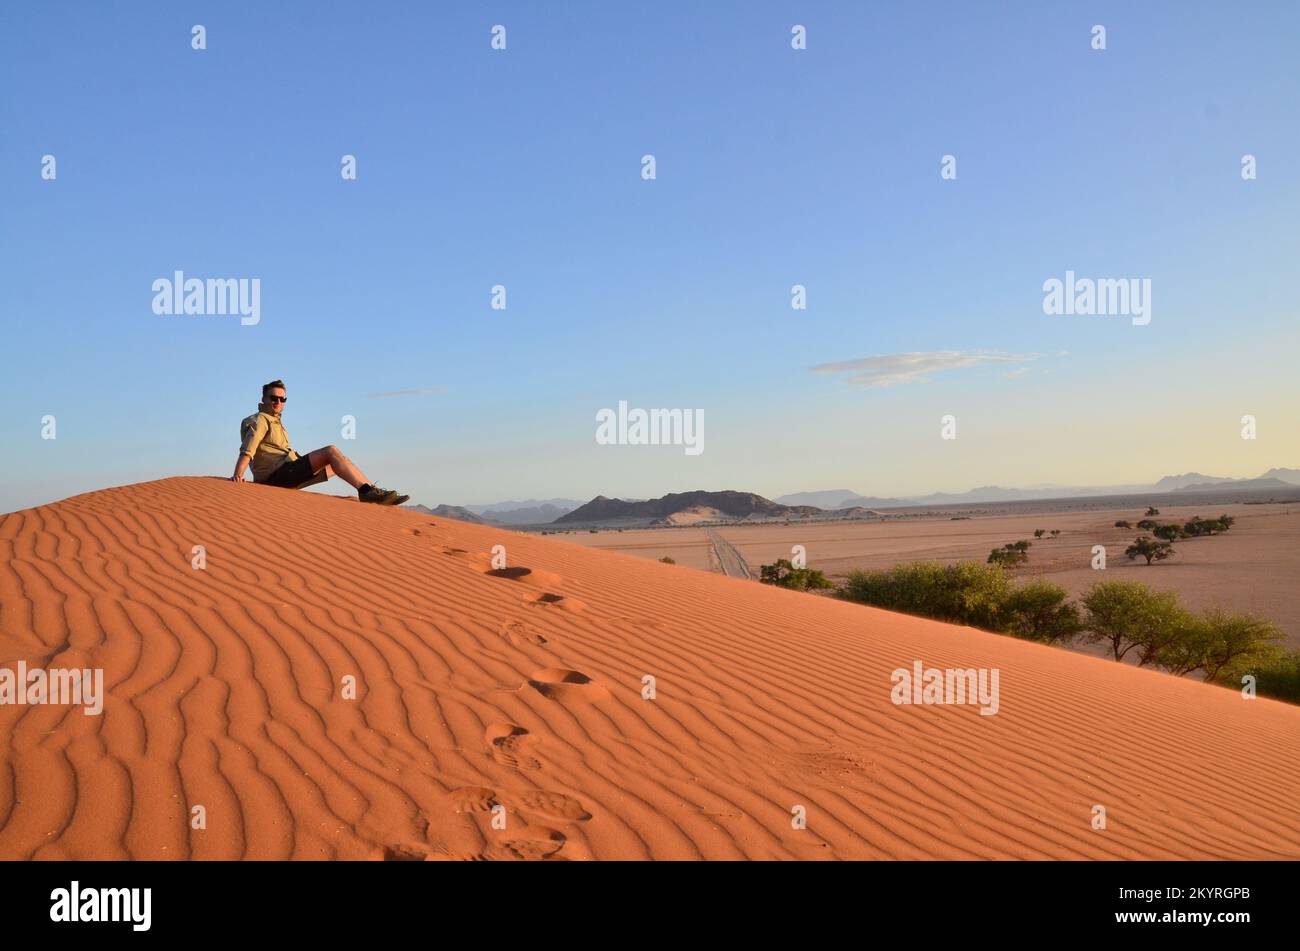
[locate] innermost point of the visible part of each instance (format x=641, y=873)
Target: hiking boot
x=381, y=496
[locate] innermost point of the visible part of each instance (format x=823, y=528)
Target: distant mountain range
x=493, y=507
x=529, y=515
x=688, y=508
x=1237, y=484
x=1289, y=476
x=449, y=511
x=683, y=508
x=531, y=512
x=834, y=499
x=1173, y=483
x=1187, y=482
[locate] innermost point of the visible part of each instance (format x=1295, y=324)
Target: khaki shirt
x=265, y=441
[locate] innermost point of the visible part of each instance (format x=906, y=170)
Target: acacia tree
x=1217, y=641
x=1129, y=616
x=1149, y=549
x=1007, y=557
x=1010, y=554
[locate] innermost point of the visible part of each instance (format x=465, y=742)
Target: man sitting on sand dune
x=265, y=444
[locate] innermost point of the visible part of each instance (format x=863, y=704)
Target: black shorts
x=293, y=474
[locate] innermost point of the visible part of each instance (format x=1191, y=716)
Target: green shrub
x=668, y=561
x=1217, y=642
x=785, y=575
x=1276, y=671
x=1127, y=616
x=1041, y=611
x=912, y=588
x=964, y=593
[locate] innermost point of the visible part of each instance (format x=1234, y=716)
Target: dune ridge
x=480, y=688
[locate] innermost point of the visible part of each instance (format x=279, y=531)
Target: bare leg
x=336, y=464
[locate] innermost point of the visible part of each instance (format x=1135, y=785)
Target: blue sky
x=775, y=167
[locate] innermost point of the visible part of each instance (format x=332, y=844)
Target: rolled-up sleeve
x=253, y=432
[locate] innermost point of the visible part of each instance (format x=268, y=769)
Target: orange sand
x=523, y=689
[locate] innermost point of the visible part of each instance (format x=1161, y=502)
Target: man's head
x=273, y=397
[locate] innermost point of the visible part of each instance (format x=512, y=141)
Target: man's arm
x=240, y=465
x=253, y=436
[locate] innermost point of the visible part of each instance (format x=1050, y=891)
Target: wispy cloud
x=1015, y=374
x=416, y=392
x=892, y=368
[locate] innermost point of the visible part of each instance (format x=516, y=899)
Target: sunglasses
x=277, y=399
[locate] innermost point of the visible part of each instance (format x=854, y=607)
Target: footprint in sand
x=553, y=805
x=450, y=856
x=566, y=686
x=404, y=853
x=472, y=799
x=558, y=601
x=513, y=574
x=440, y=853
x=510, y=744
x=479, y=560
x=540, y=579
x=538, y=843
x=518, y=633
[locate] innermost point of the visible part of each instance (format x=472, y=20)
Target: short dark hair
x=268, y=387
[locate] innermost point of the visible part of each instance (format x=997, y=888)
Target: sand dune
x=522, y=688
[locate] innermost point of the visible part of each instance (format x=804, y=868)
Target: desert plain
x=1254, y=568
